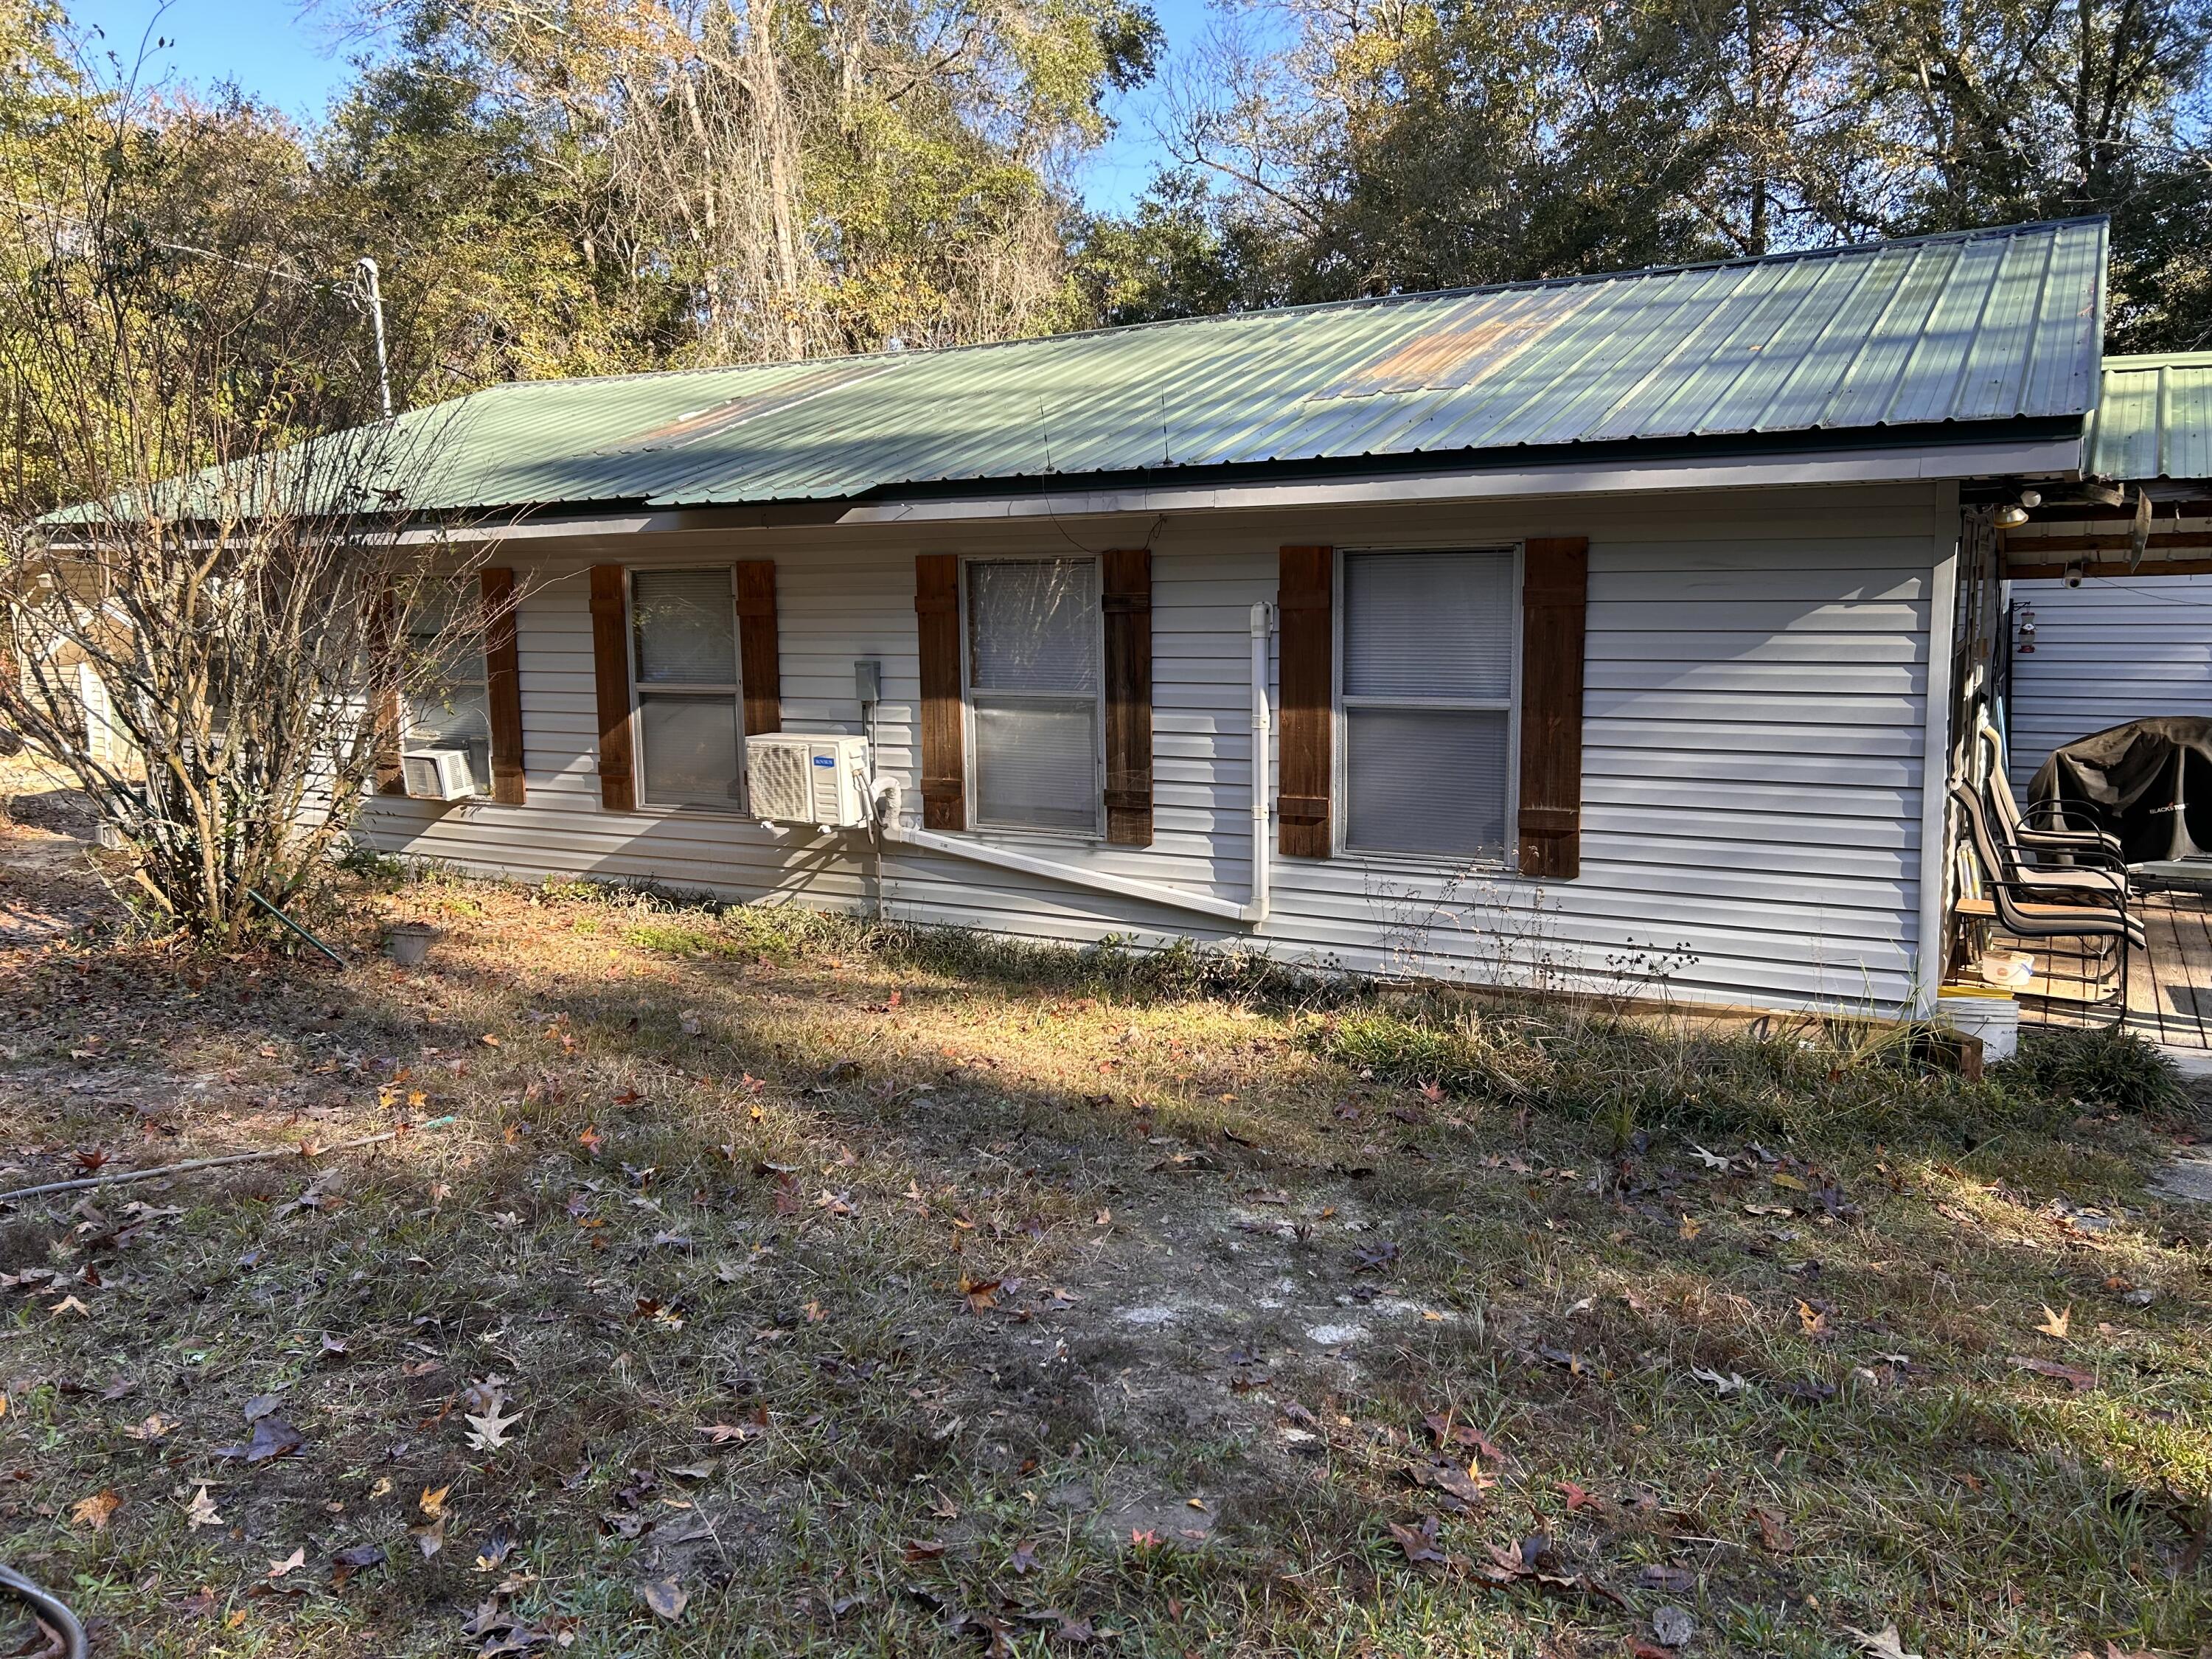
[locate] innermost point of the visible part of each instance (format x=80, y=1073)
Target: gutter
x=2045, y=456
x=1252, y=912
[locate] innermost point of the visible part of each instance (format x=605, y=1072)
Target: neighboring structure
x=2127, y=636
x=1605, y=625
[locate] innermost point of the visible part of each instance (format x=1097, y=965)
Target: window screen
x=1033, y=644
x=685, y=625
x=1428, y=693
x=453, y=710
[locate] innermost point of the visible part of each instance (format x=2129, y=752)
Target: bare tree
x=214, y=597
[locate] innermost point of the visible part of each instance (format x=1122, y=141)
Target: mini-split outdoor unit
x=818, y=780
x=437, y=774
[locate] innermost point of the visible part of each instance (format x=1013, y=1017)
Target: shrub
x=2103, y=1066
x=1812, y=1078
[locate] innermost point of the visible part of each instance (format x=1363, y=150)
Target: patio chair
x=2055, y=834
x=2026, y=912
x=2034, y=895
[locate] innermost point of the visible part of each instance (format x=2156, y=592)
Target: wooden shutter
x=502, y=685
x=758, y=652
x=1308, y=715
x=937, y=630
x=1126, y=599
x=611, y=669
x=1554, y=595
x=384, y=677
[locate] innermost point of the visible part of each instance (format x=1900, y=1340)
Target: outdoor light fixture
x=2010, y=516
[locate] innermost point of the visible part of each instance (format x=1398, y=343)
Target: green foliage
x=2100, y=1066
x=1818, y=1079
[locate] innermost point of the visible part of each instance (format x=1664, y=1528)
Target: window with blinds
x=1427, y=694
x=1033, y=693
x=453, y=709
x=684, y=629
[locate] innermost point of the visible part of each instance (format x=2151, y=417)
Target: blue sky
x=296, y=62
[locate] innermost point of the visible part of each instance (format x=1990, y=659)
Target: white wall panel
x=2115, y=648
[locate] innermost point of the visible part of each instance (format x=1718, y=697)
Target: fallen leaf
x=1884, y=1643
x=2055, y=1324
x=2079, y=1380
x=201, y=1510
x=665, y=1597
x=488, y=1427
x=1689, y=1230
x=357, y=1557
x=1463, y=1486
x=433, y=1503
x=1023, y=1559
x=272, y=1436
x=1672, y=1626
x=96, y=1510
x=1774, y=1533
x=1420, y=1543
x=1711, y=1160
x=1723, y=1386
x=291, y=1563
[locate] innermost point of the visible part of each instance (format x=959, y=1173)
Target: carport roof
x=2153, y=419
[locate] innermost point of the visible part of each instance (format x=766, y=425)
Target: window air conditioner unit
x=818, y=780
x=437, y=774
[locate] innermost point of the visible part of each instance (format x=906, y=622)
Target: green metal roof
x=1925, y=336
x=2153, y=419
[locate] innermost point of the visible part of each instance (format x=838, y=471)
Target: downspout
x=1935, y=780
x=886, y=794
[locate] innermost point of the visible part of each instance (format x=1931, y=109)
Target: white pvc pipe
x=887, y=795
x=1263, y=852
x=1934, y=777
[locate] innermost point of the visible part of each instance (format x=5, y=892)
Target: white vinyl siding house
x=1603, y=623
x=1755, y=714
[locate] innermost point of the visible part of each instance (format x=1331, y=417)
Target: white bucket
x=1992, y=1016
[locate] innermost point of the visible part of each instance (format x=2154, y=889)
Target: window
x=1033, y=693
x=1428, y=700
x=453, y=710
x=684, y=629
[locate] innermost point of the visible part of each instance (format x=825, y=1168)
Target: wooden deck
x=2169, y=984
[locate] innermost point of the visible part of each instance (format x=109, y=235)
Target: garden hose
x=50, y=1609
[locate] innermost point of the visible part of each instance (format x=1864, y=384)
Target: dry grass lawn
x=735, y=1285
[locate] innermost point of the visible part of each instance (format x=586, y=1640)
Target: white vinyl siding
x=683, y=626
x=1425, y=672
x=2116, y=649
x=1756, y=669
